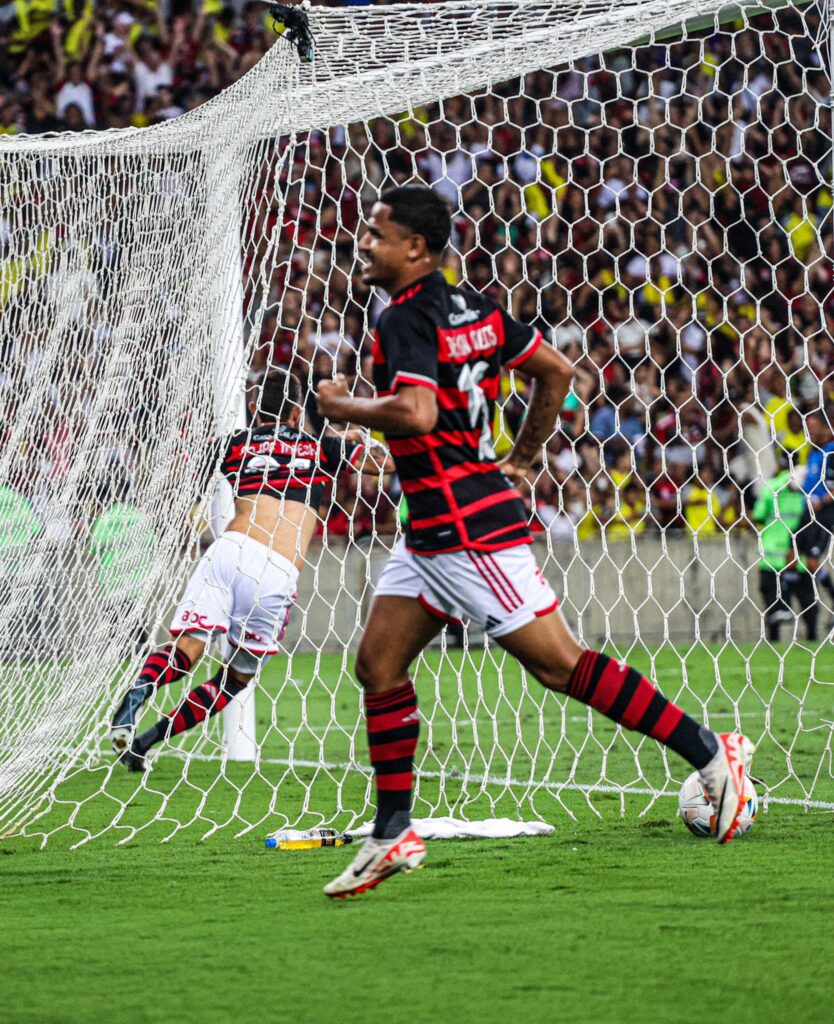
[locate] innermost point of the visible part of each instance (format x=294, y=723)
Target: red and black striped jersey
x=454, y=341
x=280, y=461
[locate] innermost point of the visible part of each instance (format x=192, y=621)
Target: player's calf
x=630, y=699
x=549, y=651
x=624, y=695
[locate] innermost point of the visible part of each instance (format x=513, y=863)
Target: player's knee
x=192, y=644
x=553, y=678
x=365, y=673
x=555, y=675
x=240, y=678
x=374, y=676
x=246, y=663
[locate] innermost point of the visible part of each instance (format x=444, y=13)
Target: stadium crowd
x=661, y=214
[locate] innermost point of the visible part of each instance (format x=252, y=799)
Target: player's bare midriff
x=285, y=526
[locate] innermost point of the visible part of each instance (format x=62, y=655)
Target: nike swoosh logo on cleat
x=358, y=871
x=721, y=801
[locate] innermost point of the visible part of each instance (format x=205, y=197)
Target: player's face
x=385, y=248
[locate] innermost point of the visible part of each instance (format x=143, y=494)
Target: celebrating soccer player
x=245, y=584
x=438, y=356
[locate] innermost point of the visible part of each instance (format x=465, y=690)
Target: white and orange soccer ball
x=696, y=809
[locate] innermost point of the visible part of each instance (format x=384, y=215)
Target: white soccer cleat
x=377, y=860
x=122, y=739
x=723, y=779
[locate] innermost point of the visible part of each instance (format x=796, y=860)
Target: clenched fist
x=330, y=396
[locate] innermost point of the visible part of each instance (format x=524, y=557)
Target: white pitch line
x=511, y=783
x=468, y=723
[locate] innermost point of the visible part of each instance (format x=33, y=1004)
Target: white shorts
x=500, y=591
x=242, y=588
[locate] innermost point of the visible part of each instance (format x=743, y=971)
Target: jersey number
x=469, y=383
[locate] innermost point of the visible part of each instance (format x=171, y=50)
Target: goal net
x=649, y=183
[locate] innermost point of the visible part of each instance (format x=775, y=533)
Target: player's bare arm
x=552, y=374
x=287, y=526
x=412, y=410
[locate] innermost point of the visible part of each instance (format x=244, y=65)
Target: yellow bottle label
x=309, y=844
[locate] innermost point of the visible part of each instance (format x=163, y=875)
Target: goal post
x=223, y=205
x=615, y=180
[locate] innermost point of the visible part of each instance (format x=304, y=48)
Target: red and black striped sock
x=393, y=730
x=621, y=693
x=164, y=666
x=203, y=702
x=161, y=667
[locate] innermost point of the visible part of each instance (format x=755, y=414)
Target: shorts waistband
x=279, y=561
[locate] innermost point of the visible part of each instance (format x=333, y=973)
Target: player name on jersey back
x=457, y=346
x=280, y=461
x=456, y=342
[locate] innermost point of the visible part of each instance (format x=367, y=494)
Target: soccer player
x=438, y=356
x=245, y=584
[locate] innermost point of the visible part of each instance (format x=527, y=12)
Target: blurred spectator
x=75, y=83
x=629, y=516
x=702, y=506
x=816, y=531
x=150, y=72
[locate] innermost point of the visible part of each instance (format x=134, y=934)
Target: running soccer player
x=438, y=356
x=245, y=584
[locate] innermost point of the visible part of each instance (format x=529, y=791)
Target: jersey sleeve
x=520, y=341
x=340, y=454
x=409, y=345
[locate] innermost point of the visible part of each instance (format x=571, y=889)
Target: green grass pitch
x=624, y=918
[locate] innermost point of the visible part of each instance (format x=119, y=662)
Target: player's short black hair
x=421, y=210
x=280, y=395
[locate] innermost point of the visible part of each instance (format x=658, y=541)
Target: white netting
x=660, y=208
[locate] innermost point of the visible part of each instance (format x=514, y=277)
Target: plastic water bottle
x=315, y=839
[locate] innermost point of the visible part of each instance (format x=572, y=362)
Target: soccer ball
x=695, y=808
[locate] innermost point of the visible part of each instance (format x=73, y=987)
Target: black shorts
x=813, y=539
